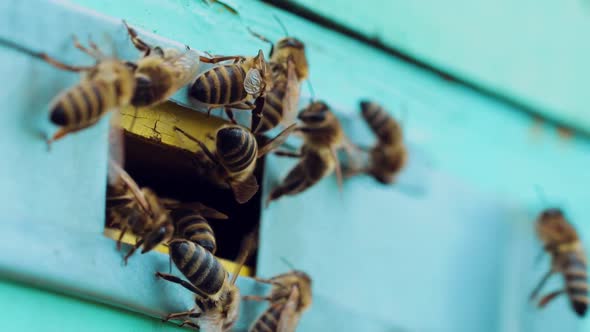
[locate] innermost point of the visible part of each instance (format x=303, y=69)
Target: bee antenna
x=286, y=262
x=541, y=195
x=281, y=24
x=311, y=91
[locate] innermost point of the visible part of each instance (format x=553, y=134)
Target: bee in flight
x=388, y=155
x=242, y=84
x=217, y=298
x=234, y=158
x=105, y=86
x=289, y=68
x=159, y=73
x=561, y=241
x=290, y=297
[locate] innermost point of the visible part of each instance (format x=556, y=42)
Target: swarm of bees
x=269, y=89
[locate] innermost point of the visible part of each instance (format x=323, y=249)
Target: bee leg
x=537, y=289
x=549, y=297
x=218, y=59
x=290, y=154
x=190, y=324
x=94, y=52
x=256, y=298
x=191, y=313
x=120, y=239
x=209, y=109
x=57, y=136
x=177, y=280
x=132, y=251
x=139, y=44
x=230, y=115
x=257, y=114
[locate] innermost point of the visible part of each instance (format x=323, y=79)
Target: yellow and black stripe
x=576, y=281
x=310, y=170
x=272, y=112
x=382, y=124
x=82, y=105
x=199, y=266
x=221, y=85
x=191, y=225
x=237, y=148
x=269, y=320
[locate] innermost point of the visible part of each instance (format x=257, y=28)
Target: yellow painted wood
x=131, y=239
x=157, y=123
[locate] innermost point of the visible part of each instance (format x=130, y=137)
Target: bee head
x=295, y=49
x=159, y=235
x=552, y=227
x=315, y=114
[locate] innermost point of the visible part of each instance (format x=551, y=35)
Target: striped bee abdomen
x=576, y=281
x=272, y=112
x=221, y=85
x=192, y=226
x=236, y=147
x=381, y=123
x=81, y=105
x=198, y=265
x=269, y=320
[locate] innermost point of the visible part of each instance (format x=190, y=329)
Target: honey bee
x=289, y=67
x=322, y=138
x=290, y=297
x=242, y=84
x=234, y=158
x=388, y=156
x=217, y=298
x=561, y=241
x=105, y=86
x=160, y=72
x=137, y=209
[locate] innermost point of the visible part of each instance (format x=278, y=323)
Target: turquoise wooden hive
x=457, y=255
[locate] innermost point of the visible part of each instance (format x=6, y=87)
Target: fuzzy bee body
x=216, y=295
x=313, y=166
x=159, y=73
x=290, y=297
x=387, y=130
x=234, y=159
x=192, y=226
x=106, y=87
x=561, y=241
x=221, y=85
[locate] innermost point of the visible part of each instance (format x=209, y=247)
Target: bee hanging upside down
x=561, y=241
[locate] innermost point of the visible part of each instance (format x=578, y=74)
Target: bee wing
x=244, y=190
x=121, y=174
x=253, y=82
x=277, y=141
x=291, y=99
x=116, y=147
x=337, y=167
x=289, y=316
x=186, y=66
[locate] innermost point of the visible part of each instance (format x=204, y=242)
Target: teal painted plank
x=532, y=52
x=29, y=309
